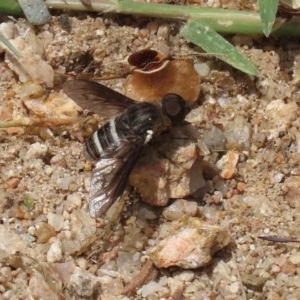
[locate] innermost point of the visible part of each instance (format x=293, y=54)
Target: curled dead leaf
x=148, y=61
x=178, y=76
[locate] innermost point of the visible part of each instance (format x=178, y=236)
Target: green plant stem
x=221, y=20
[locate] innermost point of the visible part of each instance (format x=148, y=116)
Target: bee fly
x=117, y=144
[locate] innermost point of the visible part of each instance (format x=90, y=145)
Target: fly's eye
x=172, y=108
x=175, y=108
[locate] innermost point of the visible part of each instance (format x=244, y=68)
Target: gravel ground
x=51, y=248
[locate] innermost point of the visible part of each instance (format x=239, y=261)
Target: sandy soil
x=50, y=247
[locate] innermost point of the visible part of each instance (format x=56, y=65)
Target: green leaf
x=10, y=7
x=197, y=32
x=9, y=45
x=267, y=10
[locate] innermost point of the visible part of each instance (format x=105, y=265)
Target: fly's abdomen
x=103, y=142
x=138, y=121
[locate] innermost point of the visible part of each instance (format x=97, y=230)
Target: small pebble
x=48, y=170
x=54, y=253
x=58, y=160
x=36, y=150
x=44, y=232
x=56, y=221
x=163, y=31
x=185, y=275
x=227, y=164
x=180, y=209
x=73, y=201
x=275, y=269
x=12, y=182
x=234, y=287
x=188, y=244
x=203, y=69
x=31, y=230
x=238, y=134
x=280, y=115
x=91, y=283
x=295, y=258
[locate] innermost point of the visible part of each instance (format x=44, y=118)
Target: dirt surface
x=50, y=247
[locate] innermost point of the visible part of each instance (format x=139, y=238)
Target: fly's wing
x=110, y=176
x=96, y=97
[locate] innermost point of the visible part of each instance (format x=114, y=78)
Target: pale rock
x=30, y=66
x=39, y=287
x=83, y=283
x=174, y=285
x=224, y=100
x=6, y=272
x=180, y=209
x=65, y=182
x=87, y=183
x=291, y=188
x=105, y=279
x=276, y=177
x=29, y=239
x=166, y=172
x=227, y=164
x=267, y=87
x=56, y=221
x=73, y=201
x=71, y=246
x=64, y=270
x=238, y=134
x=8, y=29
x=57, y=106
x=125, y=264
x=31, y=230
x=35, y=164
x=54, y=253
x=260, y=205
x=148, y=212
x=222, y=270
x=185, y=275
x=45, y=38
x=234, y=287
x=214, y=139
x=35, y=151
x=163, y=31
x=188, y=244
x=149, y=288
x=82, y=225
x=297, y=136
x=31, y=90
x=48, y=170
x=10, y=243
x=115, y=287
x=280, y=115
x=295, y=258
x=82, y=263
x=202, y=68
x=58, y=160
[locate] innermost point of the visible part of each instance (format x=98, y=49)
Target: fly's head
x=175, y=108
